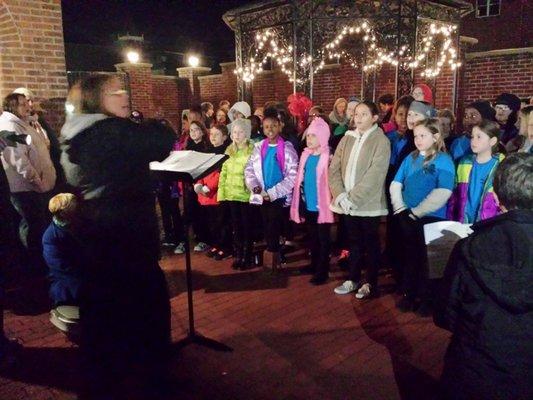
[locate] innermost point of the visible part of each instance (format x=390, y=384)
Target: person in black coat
x=124, y=303
x=486, y=299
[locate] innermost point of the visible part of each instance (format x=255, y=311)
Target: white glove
x=346, y=205
x=198, y=188
x=205, y=189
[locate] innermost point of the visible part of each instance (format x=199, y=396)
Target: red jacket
x=211, y=181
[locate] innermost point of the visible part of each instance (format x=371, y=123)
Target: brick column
x=192, y=74
x=32, y=52
x=139, y=79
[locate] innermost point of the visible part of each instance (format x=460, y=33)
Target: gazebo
x=302, y=36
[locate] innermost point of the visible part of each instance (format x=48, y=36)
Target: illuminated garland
x=268, y=46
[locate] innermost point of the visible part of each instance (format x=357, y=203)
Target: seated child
x=270, y=174
x=62, y=251
x=312, y=186
x=473, y=198
x=485, y=297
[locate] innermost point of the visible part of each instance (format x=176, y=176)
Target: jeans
x=363, y=238
x=319, y=243
x=33, y=210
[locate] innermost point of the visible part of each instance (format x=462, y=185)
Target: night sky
x=180, y=25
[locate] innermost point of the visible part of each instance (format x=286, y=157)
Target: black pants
x=241, y=222
x=319, y=243
x=272, y=212
x=34, y=218
x=170, y=214
x=363, y=239
x=195, y=216
x=219, y=225
x=415, y=280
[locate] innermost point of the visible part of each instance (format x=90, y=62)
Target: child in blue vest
x=419, y=193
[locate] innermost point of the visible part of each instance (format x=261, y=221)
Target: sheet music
x=440, y=238
x=187, y=161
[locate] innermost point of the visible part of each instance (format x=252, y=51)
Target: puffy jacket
x=211, y=181
x=28, y=167
x=231, y=186
x=486, y=303
x=253, y=172
x=456, y=206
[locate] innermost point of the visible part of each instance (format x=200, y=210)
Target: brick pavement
x=291, y=340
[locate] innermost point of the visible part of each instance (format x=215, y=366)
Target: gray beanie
x=423, y=108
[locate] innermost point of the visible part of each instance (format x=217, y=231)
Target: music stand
x=187, y=179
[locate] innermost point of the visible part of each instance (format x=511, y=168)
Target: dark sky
x=179, y=25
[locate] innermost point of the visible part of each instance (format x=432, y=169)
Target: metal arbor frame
x=310, y=24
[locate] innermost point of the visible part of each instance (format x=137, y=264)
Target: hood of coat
x=501, y=259
x=242, y=107
x=78, y=122
x=320, y=129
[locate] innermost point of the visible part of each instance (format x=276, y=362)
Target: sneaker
x=364, y=292
x=201, y=246
x=168, y=242
x=346, y=287
x=212, y=253
x=180, y=248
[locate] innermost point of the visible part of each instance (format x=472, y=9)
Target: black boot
x=247, y=259
x=237, y=258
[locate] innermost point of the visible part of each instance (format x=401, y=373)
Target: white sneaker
x=364, y=291
x=201, y=246
x=180, y=248
x=346, y=287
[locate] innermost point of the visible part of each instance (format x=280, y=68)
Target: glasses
x=471, y=116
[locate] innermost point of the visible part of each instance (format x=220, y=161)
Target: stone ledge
x=210, y=76
x=133, y=65
x=501, y=52
x=198, y=69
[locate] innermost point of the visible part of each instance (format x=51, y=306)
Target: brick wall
x=32, y=48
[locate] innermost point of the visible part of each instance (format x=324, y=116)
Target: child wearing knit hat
x=233, y=192
x=507, y=106
x=422, y=92
x=311, y=198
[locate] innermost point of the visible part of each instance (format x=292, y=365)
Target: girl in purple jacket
x=270, y=174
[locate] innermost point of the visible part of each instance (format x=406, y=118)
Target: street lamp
x=193, y=61
x=133, y=56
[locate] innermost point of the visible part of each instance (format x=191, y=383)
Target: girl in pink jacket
x=312, y=188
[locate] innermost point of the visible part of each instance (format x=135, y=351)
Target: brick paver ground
x=291, y=340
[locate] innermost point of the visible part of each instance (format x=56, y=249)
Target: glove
x=407, y=213
x=205, y=189
x=346, y=205
x=198, y=188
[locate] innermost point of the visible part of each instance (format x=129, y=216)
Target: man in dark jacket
x=487, y=301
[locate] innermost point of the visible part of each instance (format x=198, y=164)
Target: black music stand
x=187, y=179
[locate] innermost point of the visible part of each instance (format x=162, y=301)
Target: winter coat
x=322, y=181
x=231, y=186
x=62, y=254
x=28, y=167
x=457, y=204
x=368, y=192
x=486, y=303
x=124, y=301
x=288, y=161
x=211, y=182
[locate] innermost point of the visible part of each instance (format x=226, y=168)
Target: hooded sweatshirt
x=321, y=129
x=486, y=303
x=240, y=106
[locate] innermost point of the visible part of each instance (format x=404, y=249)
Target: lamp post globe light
x=193, y=61
x=133, y=56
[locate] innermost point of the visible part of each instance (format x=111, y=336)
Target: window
x=487, y=8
